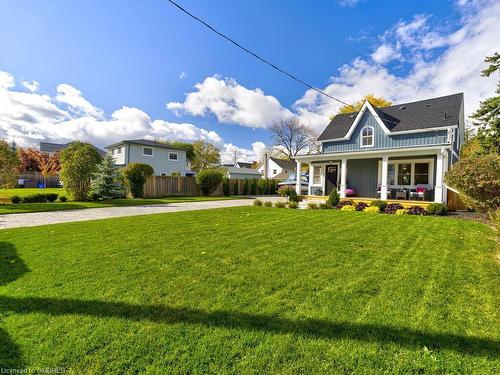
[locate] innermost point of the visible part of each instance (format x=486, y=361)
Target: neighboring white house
x=278, y=169
x=165, y=159
x=239, y=173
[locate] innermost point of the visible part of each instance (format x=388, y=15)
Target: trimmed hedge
x=35, y=198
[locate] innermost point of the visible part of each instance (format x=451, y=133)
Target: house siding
x=159, y=161
x=362, y=177
x=383, y=141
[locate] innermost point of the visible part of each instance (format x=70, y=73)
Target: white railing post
x=383, y=187
x=438, y=188
x=297, y=178
x=343, y=178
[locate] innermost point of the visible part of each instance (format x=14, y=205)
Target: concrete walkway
x=55, y=217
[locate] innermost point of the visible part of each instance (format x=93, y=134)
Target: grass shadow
x=317, y=328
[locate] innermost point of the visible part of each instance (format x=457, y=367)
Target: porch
x=415, y=177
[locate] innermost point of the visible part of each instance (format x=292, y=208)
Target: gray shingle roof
x=145, y=142
x=423, y=114
x=285, y=164
x=55, y=147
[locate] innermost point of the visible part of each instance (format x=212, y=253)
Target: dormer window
x=367, y=137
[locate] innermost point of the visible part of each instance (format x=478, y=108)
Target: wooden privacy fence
x=33, y=179
x=164, y=186
x=454, y=202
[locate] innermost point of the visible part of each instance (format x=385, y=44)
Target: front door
x=331, y=178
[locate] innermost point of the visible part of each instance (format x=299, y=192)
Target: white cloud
x=349, y=3
x=31, y=86
x=183, y=75
x=231, y=103
x=456, y=69
x=30, y=117
x=77, y=103
x=385, y=53
x=228, y=151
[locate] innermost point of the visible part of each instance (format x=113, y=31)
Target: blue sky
x=142, y=55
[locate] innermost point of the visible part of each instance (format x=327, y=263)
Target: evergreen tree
x=107, y=180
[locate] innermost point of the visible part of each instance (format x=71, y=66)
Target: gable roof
x=145, y=142
x=243, y=164
x=239, y=170
x=56, y=147
x=407, y=117
x=285, y=164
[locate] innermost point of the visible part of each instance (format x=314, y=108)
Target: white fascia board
x=373, y=153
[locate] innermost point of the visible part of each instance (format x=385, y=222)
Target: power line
x=254, y=54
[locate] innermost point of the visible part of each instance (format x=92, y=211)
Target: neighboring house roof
x=242, y=164
x=285, y=164
x=238, y=170
x=144, y=142
x=282, y=176
x=56, y=147
x=424, y=114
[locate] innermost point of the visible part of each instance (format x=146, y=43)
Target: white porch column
x=383, y=186
x=297, y=176
x=343, y=178
x=438, y=185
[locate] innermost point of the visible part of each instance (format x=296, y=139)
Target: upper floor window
x=275, y=171
x=119, y=150
x=172, y=156
x=147, y=151
x=367, y=137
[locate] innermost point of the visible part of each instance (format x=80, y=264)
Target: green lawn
x=7, y=193
x=252, y=290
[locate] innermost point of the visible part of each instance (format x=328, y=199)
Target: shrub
x=437, y=209
x=293, y=205
x=262, y=186
x=478, y=178
x=360, y=206
x=372, y=210
x=324, y=206
x=348, y=207
x=9, y=165
x=401, y=211
x=312, y=206
x=346, y=202
x=209, y=180
x=416, y=210
x=236, y=187
x=246, y=187
x=289, y=192
x=78, y=164
x=280, y=205
x=380, y=204
x=226, y=187
x=62, y=198
x=52, y=197
x=136, y=175
x=393, y=207
x=15, y=199
x=272, y=186
x=257, y=202
x=268, y=204
x=107, y=182
x=253, y=187
x=333, y=198
x=34, y=198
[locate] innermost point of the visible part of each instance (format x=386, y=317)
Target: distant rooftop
x=145, y=142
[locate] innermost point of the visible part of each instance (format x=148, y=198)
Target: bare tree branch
x=290, y=138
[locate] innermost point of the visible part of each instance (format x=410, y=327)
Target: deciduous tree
x=377, y=101
x=9, y=165
x=291, y=137
x=206, y=156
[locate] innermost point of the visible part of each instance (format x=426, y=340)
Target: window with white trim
x=147, y=151
x=119, y=150
x=367, y=137
x=317, y=175
x=172, y=156
x=421, y=173
x=404, y=174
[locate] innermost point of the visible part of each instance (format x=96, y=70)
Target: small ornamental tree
x=333, y=198
x=478, y=178
x=9, y=164
x=226, y=186
x=136, y=175
x=236, y=188
x=107, y=181
x=209, y=180
x=78, y=164
x=246, y=187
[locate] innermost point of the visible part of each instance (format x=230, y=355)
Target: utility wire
x=255, y=55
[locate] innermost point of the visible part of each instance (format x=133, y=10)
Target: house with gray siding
x=396, y=152
x=166, y=160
